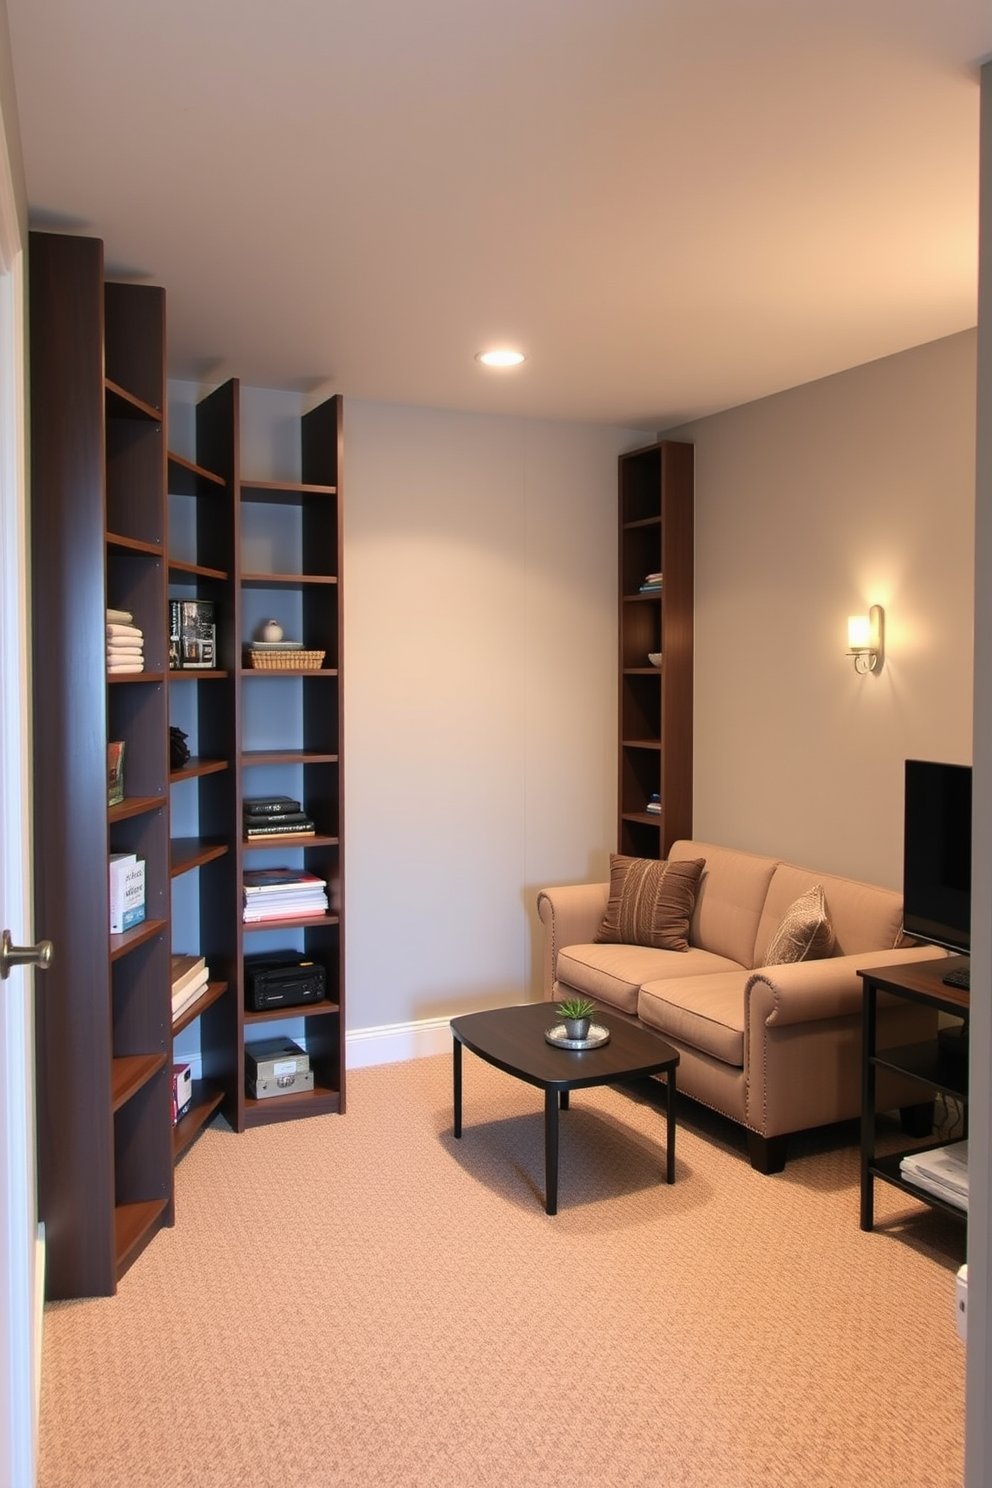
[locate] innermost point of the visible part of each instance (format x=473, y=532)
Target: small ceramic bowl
x=654, y=657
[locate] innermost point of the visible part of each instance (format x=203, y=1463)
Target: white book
x=127, y=892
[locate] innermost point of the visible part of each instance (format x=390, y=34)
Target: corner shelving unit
x=655, y=705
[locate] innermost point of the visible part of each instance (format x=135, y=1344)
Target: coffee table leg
x=456, y=1054
x=670, y=1121
x=551, y=1151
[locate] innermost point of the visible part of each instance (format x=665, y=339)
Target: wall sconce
x=865, y=639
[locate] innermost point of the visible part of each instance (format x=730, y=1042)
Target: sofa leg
x=767, y=1154
x=917, y=1121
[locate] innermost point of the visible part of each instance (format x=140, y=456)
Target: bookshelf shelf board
x=191, y=674
x=120, y=945
x=286, y=757
x=134, y=1226
x=187, y=479
x=196, y=766
x=213, y=993
x=118, y=543
x=292, y=922
x=195, y=570
x=135, y=679
x=280, y=1014
x=134, y=806
x=206, y=1099
x=652, y=818
x=289, y=839
x=130, y=1072
x=887, y=1167
x=648, y=671
x=120, y=403
x=270, y=580
x=654, y=744
x=638, y=598
x=642, y=522
x=316, y=1102
x=270, y=672
x=187, y=853
x=282, y=493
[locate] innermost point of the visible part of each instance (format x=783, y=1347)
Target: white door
x=20, y=1259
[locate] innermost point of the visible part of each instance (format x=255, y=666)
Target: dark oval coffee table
x=512, y=1039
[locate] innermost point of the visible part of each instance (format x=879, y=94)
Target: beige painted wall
x=480, y=696
x=810, y=505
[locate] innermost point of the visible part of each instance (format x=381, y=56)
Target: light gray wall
x=480, y=608
x=810, y=506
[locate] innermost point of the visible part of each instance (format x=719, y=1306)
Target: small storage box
x=275, y=1058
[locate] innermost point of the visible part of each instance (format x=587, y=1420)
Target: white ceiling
x=672, y=206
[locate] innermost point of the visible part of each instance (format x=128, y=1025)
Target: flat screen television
x=936, y=884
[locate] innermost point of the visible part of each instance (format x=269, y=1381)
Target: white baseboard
x=394, y=1042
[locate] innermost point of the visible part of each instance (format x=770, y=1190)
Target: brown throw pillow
x=650, y=902
x=805, y=932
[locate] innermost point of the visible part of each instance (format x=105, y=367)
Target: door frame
x=21, y=1249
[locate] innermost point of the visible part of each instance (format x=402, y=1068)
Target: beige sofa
x=776, y=1048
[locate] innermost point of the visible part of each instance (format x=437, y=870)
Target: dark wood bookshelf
x=655, y=703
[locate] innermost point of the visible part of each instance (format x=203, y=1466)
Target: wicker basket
x=287, y=661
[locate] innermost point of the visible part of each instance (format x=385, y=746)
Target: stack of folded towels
x=125, y=643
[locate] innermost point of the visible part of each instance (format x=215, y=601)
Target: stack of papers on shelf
x=189, y=981
x=942, y=1171
x=283, y=894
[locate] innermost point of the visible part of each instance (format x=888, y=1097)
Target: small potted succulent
x=577, y=1013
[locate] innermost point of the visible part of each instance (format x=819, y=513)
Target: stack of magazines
x=942, y=1171
x=282, y=894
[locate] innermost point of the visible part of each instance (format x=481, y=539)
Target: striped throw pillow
x=650, y=902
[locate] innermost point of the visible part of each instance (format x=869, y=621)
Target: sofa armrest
x=571, y=916
x=804, y=991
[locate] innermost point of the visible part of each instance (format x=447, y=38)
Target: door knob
x=39, y=955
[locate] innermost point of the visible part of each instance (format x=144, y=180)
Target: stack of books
x=275, y=816
x=282, y=894
x=654, y=804
x=652, y=583
x=941, y=1171
x=189, y=981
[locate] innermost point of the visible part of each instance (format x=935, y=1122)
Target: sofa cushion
x=613, y=974
x=729, y=899
x=804, y=932
x=650, y=902
x=704, y=1012
x=864, y=917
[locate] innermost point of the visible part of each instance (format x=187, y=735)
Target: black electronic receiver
x=282, y=979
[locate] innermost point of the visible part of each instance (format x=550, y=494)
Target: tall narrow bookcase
x=656, y=619
x=203, y=565
x=98, y=457
x=269, y=549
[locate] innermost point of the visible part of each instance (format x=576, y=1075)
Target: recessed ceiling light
x=500, y=358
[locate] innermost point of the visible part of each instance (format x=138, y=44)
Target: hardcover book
x=269, y=805
x=127, y=892
x=115, y=772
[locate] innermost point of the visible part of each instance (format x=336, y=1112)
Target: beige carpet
x=362, y=1300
